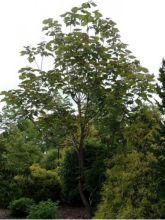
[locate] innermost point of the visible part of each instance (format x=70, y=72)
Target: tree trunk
x=81, y=182
x=84, y=199
x=80, y=154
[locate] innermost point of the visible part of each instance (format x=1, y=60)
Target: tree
x=161, y=87
x=161, y=141
x=93, y=73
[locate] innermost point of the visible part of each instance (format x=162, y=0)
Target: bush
x=41, y=184
x=69, y=177
x=94, y=173
x=21, y=207
x=44, y=210
x=131, y=190
x=9, y=190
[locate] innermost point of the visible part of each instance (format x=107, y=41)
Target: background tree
x=23, y=147
x=161, y=87
x=161, y=141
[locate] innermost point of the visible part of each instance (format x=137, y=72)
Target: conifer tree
x=161, y=87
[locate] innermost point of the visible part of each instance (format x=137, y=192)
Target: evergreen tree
x=134, y=185
x=161, y=87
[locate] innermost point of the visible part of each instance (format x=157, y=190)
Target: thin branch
x=36, y=63
x=42, y=59
x=75, y=144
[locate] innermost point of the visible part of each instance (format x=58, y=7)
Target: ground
x=5, y=214
x=66, y=212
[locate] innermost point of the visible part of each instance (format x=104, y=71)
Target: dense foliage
x=40, y=184
x=95, y=167
x=21, y=207
x=44, y=210
x=83, y=129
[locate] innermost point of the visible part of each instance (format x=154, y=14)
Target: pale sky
x=141, y=24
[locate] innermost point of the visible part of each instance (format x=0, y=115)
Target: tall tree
x=161, y=140
x=93, y=74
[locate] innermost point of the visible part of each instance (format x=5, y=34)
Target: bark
x=84, y=199
x=81, y=182
x=80, y=154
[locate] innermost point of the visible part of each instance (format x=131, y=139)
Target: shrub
x=44, y=210
x=9, y=191
x=20, y=207
x=69, y=177
x=41, y=184
x=131, y=190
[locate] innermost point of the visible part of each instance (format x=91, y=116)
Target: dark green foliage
x=95, y=167
x=94, y=172
x=44, y=210
x=21, y=207
x=40, y=184
x=50, y=159
x=161, y=87
x=160, y=151
x=69, y=177
x=9, y=190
